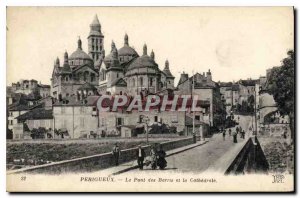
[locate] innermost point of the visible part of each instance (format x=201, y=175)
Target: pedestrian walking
x=237, y=129
x=140, y=153
x=116, y=152
x=224, y=134
x=243, y=134
x=161, y=161
x=229, y=132
x=234, y=137
x=153, y=157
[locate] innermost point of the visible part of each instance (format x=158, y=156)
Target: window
x=155, y=119
x=117, y=75
x=119, y=121
x=140, y=119
x=151, y=81
x=92, y=77
x=133, y=82
x=197, y=117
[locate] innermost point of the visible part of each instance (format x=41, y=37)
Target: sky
x=234, y=42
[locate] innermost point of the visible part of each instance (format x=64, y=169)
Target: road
x=201, y=158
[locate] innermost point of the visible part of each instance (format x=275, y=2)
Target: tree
x=38, y=133
x=282, y=87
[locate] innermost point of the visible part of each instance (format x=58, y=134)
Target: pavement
x=213, y=154
x=132, y=165
x=216, y=155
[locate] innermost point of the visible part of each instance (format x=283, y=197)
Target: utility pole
x=193, y=86
x=255, y=110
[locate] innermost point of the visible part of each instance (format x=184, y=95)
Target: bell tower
x=95, y=40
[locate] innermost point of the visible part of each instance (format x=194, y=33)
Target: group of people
x=156, y=157
x=234, y=133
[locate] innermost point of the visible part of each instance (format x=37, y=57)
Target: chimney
x=184, y=77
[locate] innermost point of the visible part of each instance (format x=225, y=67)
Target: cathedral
x=122, y=71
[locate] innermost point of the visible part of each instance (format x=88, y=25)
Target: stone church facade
x=121, y=71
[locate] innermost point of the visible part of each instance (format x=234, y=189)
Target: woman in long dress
x=153, y=158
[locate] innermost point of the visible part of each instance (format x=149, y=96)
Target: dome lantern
x=167, y=64
x=113, y=46
x=57, y=61
x=152, y=55
x=145, y=49
x=66, y=59
x=126, y=40
x=79, y=43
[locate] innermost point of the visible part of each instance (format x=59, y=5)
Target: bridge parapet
x=96, y=162
x=250, y=159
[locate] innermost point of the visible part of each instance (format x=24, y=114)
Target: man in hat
x=116, y=153
x=140, y=153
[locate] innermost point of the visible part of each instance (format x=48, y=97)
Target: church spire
x=95, y=40
x=95, y=21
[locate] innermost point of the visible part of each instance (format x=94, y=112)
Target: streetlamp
x=146, y=120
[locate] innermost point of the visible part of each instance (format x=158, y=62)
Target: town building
x=205, y=89
x=76, y=117
x=30, y=87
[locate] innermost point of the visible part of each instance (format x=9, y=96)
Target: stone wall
x=97, y=162
x=251, y=159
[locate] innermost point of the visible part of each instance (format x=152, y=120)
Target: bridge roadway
x=206, y=156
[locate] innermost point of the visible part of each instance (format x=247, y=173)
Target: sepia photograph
x=150, y=99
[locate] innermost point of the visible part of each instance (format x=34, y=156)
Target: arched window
x=151, y=81
x=80, y=77
x=67, y=78
x=85, y=75
x=92, y=77
x=104, y=75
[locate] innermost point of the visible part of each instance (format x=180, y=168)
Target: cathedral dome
x=112, y=59
x=126, y=50
x=143, y=62
x=79, y=57
x=79, y=53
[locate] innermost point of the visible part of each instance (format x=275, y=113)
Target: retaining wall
x=96, y=162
